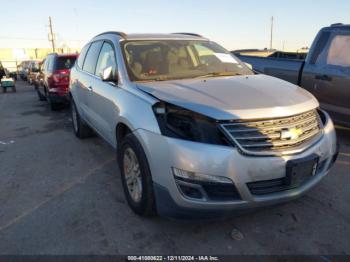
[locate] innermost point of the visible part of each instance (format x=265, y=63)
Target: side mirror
x=107, y=75
x=249, y=66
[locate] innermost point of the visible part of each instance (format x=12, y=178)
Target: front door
x=103, y=109
x=329, y=78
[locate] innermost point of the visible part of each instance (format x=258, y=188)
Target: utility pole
x=271, y=35
x=51, y=35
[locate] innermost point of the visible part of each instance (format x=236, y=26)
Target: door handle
x=90, y=88
x=323, y=77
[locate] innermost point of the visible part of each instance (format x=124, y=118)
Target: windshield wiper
x=214, y=74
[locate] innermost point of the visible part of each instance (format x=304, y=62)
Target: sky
x=235, y=24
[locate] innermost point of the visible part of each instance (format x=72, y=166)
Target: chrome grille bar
x=270, y=136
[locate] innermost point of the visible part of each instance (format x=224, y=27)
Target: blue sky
x=235, y=24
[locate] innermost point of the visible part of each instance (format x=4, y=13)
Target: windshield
x=159, y=60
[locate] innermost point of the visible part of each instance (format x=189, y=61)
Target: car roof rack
x=123, y=35
x=191, y=34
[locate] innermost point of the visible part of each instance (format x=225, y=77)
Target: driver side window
x=106, y=59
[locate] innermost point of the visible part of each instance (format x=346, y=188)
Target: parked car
x=13, y=75
x=325, y=73
x=55, y=79
x=6, y=81
x=197, y=133
x=38, y=79
x=23, y=69
x=33, y=70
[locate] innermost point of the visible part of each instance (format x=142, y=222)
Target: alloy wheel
x=132, y=174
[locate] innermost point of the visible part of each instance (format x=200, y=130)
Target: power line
x=22, y=38
x=38, y=39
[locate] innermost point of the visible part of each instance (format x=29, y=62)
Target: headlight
x=181, y=123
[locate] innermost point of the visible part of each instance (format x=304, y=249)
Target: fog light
x=187, y=175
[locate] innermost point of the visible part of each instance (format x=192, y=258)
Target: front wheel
x=136, y=176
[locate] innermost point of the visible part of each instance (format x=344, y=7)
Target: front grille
x=268, y=186
x=274, y=135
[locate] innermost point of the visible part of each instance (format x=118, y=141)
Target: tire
x=144, y=204
x=40, y=95
x=80, y=128
x=55, y=106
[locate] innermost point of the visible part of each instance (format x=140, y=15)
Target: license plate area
x=300, y=170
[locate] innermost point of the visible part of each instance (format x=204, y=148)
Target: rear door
x=45, y=75
x=103, y=110
x=78, y=90
x=87, y=80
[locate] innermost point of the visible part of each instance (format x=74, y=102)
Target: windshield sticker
x=226, y=58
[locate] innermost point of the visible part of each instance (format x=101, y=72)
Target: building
x=11, y=57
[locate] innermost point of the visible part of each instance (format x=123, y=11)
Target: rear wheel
x=80, y=128
x=40, y=95
x=136, y=176
x=55, y=106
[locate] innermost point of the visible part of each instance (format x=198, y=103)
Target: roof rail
x=123, y=35
x=337, y=24
x=191, y=34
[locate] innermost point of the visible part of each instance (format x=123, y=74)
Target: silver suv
x=197, y=133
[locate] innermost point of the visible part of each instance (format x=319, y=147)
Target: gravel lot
x=61, y=195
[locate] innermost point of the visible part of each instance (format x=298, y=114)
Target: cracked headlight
x=181, y=123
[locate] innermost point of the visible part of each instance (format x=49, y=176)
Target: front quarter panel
x=134, y=111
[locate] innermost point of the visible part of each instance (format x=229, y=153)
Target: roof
x=64, y=55
x=154, y=36
x=337, y=26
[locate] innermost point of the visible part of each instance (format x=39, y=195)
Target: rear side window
x=82, y=55
x=91, y=57
x=49, y=64
x=65, y=62
x=339, y=51
x=321, y=44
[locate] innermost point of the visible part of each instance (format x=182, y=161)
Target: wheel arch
x=121, y=130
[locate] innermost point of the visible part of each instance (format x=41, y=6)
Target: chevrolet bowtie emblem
x=292, y=133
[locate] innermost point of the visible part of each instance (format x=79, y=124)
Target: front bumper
x=163, y=153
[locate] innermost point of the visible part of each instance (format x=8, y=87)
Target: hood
x=234, y=97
